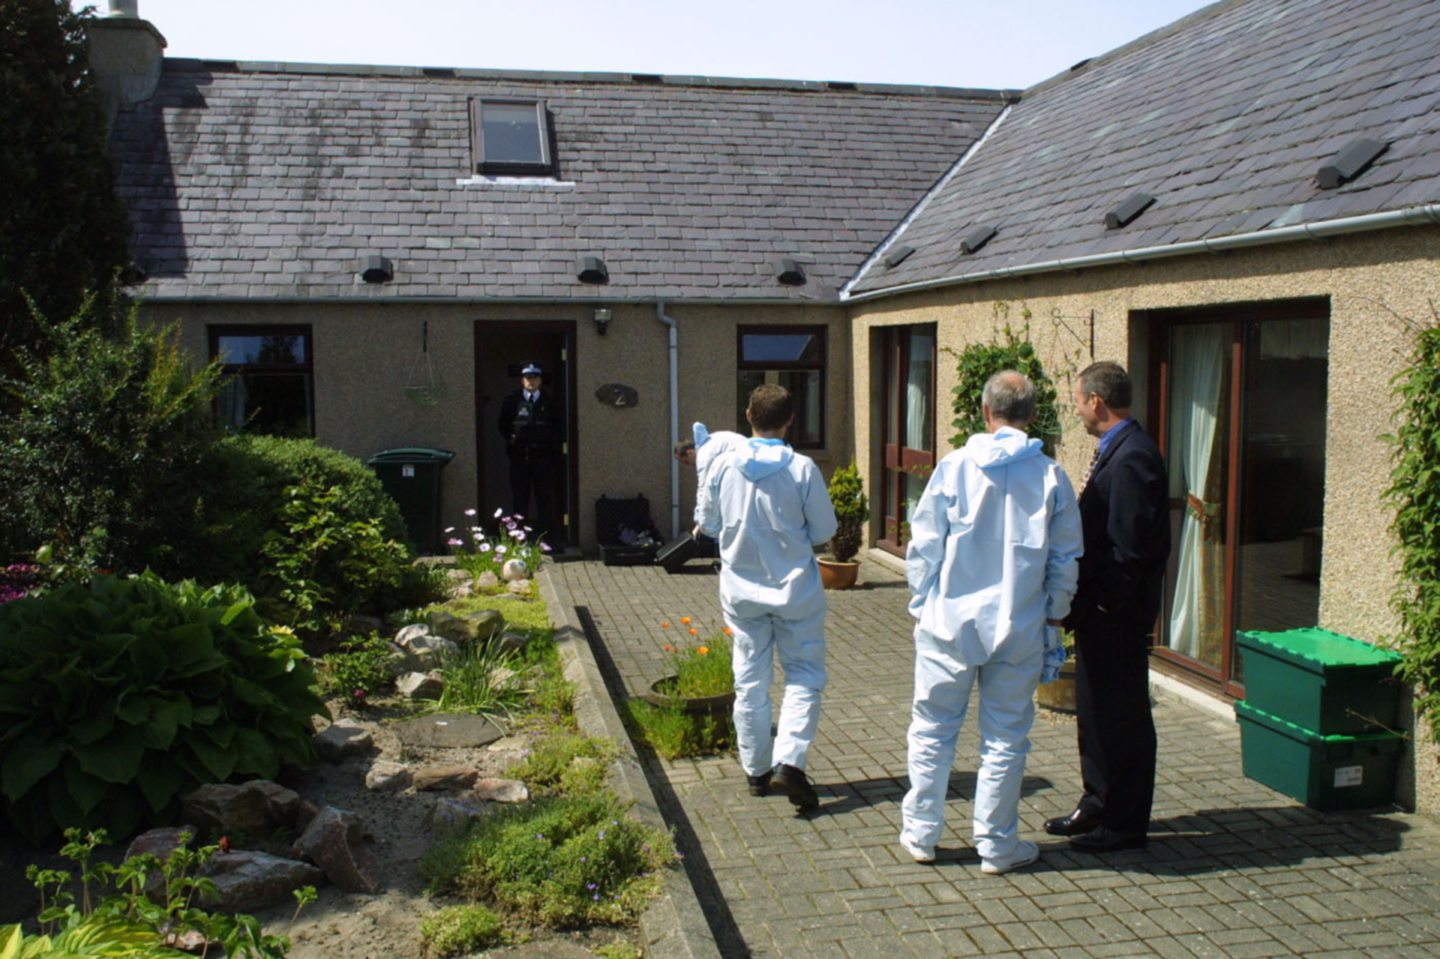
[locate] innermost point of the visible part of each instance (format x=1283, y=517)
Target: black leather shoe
x=1105, y=839
x=795, y=785
x=1077, y=823
x=759, y=785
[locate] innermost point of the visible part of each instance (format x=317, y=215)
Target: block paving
x=1233, y=868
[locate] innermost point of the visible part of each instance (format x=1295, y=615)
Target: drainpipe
x=674, y=338
x=1412, y=216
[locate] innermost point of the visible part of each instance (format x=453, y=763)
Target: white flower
x=470, y=512
x=519, y=536
x=484, y=547
x=449, y=529
x=499, y=513
x=500, y=548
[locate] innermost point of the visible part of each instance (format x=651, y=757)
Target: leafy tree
x=100, y=459
x=62, y=228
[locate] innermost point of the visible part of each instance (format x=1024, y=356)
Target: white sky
x=962, y=43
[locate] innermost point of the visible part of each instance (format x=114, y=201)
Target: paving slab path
x=1233, y=869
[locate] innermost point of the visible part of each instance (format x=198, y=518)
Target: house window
x=794, y=357
x=511, y=137
x=269, y=386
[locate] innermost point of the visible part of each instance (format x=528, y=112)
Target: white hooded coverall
x=995, y=540
x=768, y=507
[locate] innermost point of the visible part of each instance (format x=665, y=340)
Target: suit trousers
x=1115, y=727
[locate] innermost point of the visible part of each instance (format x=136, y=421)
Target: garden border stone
x=675, y=924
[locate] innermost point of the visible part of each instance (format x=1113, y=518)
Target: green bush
x=361, y=666
x=102, y=456
x=558, y=862
x=121, y=695
x=675, y=733
x=852, y=512
x=980, y=361
x=565, y=764
x=309, y=526
x=460, y=930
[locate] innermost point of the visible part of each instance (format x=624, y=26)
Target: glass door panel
x=908, y=427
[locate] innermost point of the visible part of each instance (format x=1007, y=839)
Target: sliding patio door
x=1243, y=401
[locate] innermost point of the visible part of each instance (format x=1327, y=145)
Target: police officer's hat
x=531, y=370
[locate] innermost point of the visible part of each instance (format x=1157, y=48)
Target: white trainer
x=1026, y=853
x=920, y=854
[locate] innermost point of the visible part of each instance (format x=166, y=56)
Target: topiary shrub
x=852, y=511
x=118, y=696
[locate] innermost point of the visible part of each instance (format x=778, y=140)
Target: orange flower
x=694, y=631
x=665, y=624
x=668, y=648
x=702, y=650
x=684, y=620
x=728, y=631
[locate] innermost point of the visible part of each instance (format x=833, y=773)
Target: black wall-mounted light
x=1349, y=163
x=897, y=256
x=591, y=269
x=978, y=238
x=377, y=269
x=789, y=272
x=1133, y=205
x=603, y=316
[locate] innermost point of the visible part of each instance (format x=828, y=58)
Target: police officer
x=530, y=427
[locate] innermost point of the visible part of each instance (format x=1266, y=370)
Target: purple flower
x=544, y=547
x=452, y=541
x=519, y=537
x=500, y=548
x=484, y=547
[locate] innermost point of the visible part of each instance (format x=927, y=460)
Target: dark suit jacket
x=1125, y=514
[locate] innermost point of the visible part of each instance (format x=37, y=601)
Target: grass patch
x=566, y=764
x=675, y=734
x=460, y=930
x=558, y=862
x=481, y=679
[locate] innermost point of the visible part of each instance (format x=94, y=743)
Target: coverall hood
x=762, y=458
x=1001, y=448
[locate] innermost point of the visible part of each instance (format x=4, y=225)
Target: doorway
x=502, y=349
x=907, y=431
x=1242, y=400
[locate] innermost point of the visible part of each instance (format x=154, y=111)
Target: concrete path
x=1233, y=869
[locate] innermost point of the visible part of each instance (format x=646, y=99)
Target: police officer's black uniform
x=530, y=427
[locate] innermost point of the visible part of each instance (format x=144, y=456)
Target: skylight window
x=511, y=137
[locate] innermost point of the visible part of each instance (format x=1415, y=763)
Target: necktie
x=1084, y=480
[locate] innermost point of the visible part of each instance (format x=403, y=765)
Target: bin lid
x=1317, y=649
x=1244, y=710
x=412, y=454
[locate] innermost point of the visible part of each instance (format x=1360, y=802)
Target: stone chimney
x=125, y=56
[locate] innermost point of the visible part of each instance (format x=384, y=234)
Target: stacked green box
x=1317, y=721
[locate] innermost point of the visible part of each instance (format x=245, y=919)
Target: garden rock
x=387, y=777
x=476, y=627
x=408, y=634
x=453, y=814
x=335, y=841
x=510, y=642
x=462, y=590
x=257, y=808
x=445, y=778
x=514, y=569
x=425, y=653
x=520, y=587
x=501, y=790
x=487, y=580
x=420, y=686
x=159, y=843
x=250, y=881
x=458, y=575
x=343, y=739
x=358, y=624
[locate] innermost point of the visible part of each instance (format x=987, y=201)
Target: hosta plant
x=120, y=695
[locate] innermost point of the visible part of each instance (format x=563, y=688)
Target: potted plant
x=700, y=678
x=838, y=569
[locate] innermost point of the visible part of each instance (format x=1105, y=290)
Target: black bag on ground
x=625, y=531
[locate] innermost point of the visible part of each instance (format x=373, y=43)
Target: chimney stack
x=125, y=56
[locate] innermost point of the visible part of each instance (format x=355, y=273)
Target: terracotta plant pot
x=662, y=694
x=1059, y=695
x=837, y=575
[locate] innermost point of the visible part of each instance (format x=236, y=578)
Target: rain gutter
x=1430, y=213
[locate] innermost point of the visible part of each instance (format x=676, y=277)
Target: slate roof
x=272, y=181
x=1224, y=117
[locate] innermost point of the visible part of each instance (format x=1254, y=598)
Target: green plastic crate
x=1323, y=772
x=1320, y=680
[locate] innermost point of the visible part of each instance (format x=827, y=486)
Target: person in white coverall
x=992, y=565
x=769, y=507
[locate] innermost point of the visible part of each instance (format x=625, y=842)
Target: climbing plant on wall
x=1010, y=349
x=1415, y=495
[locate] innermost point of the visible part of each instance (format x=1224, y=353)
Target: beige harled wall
x=1368, y=279
x=365, y=354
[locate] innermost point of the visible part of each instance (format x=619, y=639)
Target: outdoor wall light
x=377, y=269
x=602, y=319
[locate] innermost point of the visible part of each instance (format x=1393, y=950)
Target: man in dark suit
x=531, y=429
x=1124, y=512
